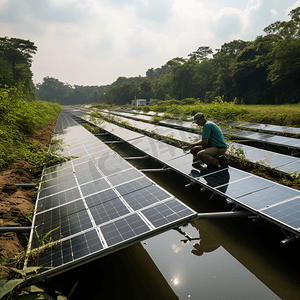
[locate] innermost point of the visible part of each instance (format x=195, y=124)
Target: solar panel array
x=266, y=127
x=268, y=139
x=96, y=203
x=281, y=162
x=265, y=138
x=265, y=198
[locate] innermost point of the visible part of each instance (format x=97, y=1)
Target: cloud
x=293, y=6
x=274, y=12
x=176, y=249
x=95, y=42
x=232, y=23
x=154, y=10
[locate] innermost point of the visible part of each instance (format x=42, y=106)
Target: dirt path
x=17, y=204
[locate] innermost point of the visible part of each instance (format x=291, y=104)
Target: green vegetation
x=15, y=62
x=19, y=118
x=263, y=71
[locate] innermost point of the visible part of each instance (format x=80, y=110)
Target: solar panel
x=95, y=204
x=149, y=145
x=265, y=127
x=264, y=197
x=287, y=213
x=291, y=168
x=267, y=197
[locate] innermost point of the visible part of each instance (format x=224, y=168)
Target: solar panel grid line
x=57, y=199
x=224, y=184
x=281, y=202
x=165, y=212
x=287, y=215
x=143, y=217
x=114, y=189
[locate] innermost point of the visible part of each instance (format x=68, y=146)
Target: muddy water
x=228, y=259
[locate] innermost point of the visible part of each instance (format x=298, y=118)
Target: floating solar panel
x=96, y=204
x=265, y=198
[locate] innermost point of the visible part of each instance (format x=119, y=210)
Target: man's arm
x=202, y=143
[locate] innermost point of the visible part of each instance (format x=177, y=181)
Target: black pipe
x=25, y=185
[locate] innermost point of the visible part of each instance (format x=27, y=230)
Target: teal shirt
x=212, y=132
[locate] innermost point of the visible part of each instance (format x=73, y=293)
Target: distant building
x=139, y=102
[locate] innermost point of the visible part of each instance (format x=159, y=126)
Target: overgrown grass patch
x=18, y=118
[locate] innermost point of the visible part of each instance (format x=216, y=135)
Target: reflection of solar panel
x=247, y=190
x=96, y=203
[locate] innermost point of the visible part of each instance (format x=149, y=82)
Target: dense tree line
x=263, y=71
x=15, y=63
x=53, y=89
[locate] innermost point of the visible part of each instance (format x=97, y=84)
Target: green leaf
x=31, y=270
x=36, y=296
x=9, y=286
x=34, y=289
x=19, y=271
x=13, y=224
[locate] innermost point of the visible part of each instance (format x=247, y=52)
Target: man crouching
x=212, y=147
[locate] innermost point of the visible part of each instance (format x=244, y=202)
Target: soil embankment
x=17, y=204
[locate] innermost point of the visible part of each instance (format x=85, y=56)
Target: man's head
x=199, y=119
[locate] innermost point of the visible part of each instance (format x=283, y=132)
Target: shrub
x=18, y=118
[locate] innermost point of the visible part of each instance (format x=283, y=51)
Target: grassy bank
x=20, y=117
x=285, y=115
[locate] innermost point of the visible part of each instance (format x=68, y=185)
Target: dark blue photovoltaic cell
x=101, y=197
x=145, y=197
x=223, y=177
x=287, y=213
x=269, y=196
x=61, y=186
x=134, y=185
x=71, y=249
x=94, y=187
x=108, y=211
x=112, y=164
x=86, y=172
x=58, y=199
x=59, y=212
x=246, y=186
x=62, y=228
x=125, y=176
x=166, y=212
x=123, y=229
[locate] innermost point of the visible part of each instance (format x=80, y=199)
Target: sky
x=93, y=42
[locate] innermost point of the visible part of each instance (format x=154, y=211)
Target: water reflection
x=206, y=269
x=207, y=242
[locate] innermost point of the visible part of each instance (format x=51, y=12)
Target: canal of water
x=227, y=259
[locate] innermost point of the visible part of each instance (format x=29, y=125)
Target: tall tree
x=201, y=53
x=17, y=51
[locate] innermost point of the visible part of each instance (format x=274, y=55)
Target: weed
x=155, y=120
x=29, y=215
x=92, y=129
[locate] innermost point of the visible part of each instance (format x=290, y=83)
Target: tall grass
x=20, y=117
x=285, y=115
